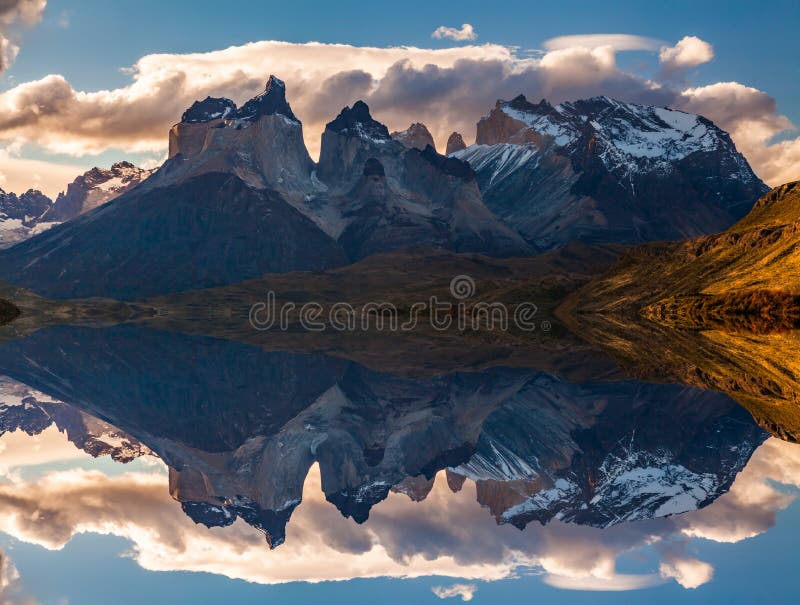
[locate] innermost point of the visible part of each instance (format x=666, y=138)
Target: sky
x=91, y=82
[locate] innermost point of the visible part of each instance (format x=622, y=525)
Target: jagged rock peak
x=455, y=142
x=521, y=103
x=30, y=204
x=357, y=121
x=271, y=101
x=210, y=108
x=416, y=136
x=94, y=188
x=123, y=171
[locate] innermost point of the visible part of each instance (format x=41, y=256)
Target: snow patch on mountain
x=496, y=462
x=562, y=132
x=503, y=159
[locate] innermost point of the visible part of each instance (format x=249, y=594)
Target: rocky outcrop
x=604, y=171
x=416, y=136
x=455, y=142
x=351, y=139
x=435, y=201
x=260, y=142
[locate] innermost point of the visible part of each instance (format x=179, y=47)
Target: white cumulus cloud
x=689, y=573
x=465, y=34
x=690, y=51
x=465, y=591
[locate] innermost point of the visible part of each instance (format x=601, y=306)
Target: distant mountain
x=416, y=136
x=602, y=170
x=19, y=215
x=25, y=409
x=455, y=143
x=30, y=205
x=92, y=189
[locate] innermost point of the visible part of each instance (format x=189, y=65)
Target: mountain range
x=601, y=170
x=239, y=195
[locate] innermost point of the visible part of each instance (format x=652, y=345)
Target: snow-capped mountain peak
x=624, y=130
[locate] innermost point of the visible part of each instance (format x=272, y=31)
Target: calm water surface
x=145, y=466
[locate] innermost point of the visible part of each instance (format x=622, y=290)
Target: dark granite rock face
x=271, y=101
x=424, y=199
x=357, y=121
x=373, y=167
x=382, y=213
x=450, y=166
x=208, y=109
x=349, y=141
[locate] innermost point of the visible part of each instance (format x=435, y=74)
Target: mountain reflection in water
x=430, y=476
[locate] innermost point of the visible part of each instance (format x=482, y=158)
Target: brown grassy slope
x=757, y=261
x=719, y=312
